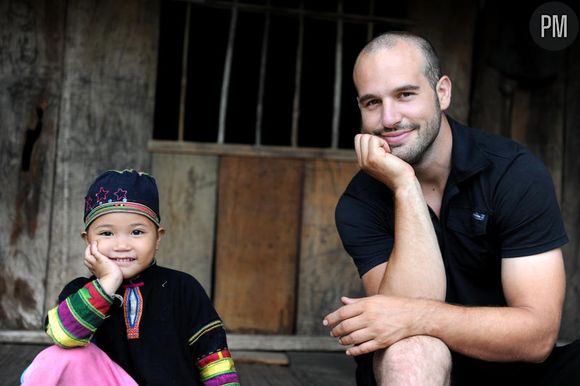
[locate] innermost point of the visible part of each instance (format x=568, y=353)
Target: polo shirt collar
x=467, y=157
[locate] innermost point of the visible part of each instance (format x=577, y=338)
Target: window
x=264, y=73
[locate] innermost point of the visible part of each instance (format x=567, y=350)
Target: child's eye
x=106, y=233
x=137, y=232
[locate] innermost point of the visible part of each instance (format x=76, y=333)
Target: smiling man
x=456, y=234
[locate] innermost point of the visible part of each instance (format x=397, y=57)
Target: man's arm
x=525, y=330
x=415, y=267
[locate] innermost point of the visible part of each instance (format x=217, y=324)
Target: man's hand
x=109, y=274
x=375, y=158
x=374, y=322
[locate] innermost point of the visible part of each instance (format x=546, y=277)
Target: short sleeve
x=362, y=220
x=527, y=211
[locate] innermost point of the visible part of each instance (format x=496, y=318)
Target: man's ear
x=444, y=92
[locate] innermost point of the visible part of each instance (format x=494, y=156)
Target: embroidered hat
x=122, y=191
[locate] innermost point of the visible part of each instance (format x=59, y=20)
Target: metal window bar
x=371, y=24
x=183, y=92
x=263, y=60
x=332, y=16
x=227, y=74
x=297, y=78
x=337, y=79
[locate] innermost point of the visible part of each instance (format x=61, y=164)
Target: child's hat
x=122, y=191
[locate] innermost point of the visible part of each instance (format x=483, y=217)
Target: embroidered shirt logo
x=478, y=216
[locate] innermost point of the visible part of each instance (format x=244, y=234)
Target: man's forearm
x=490, y=333
x=415, y=267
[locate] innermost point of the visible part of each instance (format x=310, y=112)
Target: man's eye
x=371, y=103
x=405, y=95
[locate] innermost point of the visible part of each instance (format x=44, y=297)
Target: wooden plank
x=326, y=270
x=31, y=42
x=106, y=114
x=256, y=251
x=14, y=359
x=314, y=368
x=570, y=192
x=261, y=357
x=238, y=342
x=249, y=150
x=187, y=190
x=534, y=110
x=452, y=40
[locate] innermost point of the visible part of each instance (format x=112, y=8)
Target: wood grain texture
x=256, y=243
x=450, y=26
x=106, y=114
x=326, y=270
x=570, y=196
x=514, y=97
x=31, y=44
x=187, y=190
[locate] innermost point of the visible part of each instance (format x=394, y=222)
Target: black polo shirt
x=499, y=202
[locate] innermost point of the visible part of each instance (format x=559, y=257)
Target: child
x=157, y=324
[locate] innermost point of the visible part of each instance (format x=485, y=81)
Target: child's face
x=128, y=239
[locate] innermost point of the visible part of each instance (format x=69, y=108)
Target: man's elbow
x=542, y=347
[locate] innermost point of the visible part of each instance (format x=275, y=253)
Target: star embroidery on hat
x=102, y=194
x=121, y=194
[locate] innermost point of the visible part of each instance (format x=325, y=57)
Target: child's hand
x=109, y=274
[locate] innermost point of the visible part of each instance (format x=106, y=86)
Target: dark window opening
x=264, y=72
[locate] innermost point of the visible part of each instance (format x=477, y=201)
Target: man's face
x=396, y=100
x=128, y=239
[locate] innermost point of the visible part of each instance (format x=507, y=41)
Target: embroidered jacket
x=165, y=332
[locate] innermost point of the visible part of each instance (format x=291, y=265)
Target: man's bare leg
x=414, y=361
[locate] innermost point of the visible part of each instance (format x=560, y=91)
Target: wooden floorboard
x=303, y=369
x=14, y=358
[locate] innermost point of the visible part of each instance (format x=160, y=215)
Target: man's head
x=401, y=93
x=122, y=216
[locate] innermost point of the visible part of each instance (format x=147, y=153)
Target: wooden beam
x=158, y=146
x=260, y=342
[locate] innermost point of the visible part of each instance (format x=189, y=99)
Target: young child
x=157, y=325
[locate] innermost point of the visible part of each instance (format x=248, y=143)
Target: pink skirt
x=75, y=366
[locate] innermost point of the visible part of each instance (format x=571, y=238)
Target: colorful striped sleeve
x=74, y=321
x=218, y=369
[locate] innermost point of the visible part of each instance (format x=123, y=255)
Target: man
x=456, y=234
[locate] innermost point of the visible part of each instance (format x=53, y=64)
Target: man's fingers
x=356, y=336
x=364, y=348
x=346, y=300
x=357, y=148
x=341, y=314
x=348, y=327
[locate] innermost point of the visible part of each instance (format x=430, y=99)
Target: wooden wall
x=531, y=95
x=279, y=265
x=76, y=98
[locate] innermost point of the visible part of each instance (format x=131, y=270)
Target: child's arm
x=74, y=321
x=208, y=344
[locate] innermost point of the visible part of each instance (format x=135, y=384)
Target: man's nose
x=390, y=115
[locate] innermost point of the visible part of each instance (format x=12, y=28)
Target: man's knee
x=412, y=360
